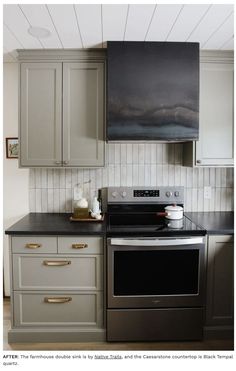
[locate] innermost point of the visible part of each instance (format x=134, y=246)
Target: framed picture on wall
x=12, y=147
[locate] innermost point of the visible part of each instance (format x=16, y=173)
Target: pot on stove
x=173, y=212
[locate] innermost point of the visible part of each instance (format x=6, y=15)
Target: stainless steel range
x=155, y=267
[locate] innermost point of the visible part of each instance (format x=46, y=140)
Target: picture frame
x=12, y=148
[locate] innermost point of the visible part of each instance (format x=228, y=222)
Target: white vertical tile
x=117, y=153
x=135, y=174
x=212, y=199
x=200, y=204
x=189, y=180
x=188, y=199
x=38, y=178
x=62, y=178
x=171, y=153
x=141, y=153
x=68, y=178
x=92, y=177
x=165, y=175
x=111, y=153
x=80, y=176
x=183, y=176
x=229, y=196
x=123, y=175
x=177, y=170
x=129, y=154
x=212, y=177
x=159, y=172
x=223, y=197
x=105, y=177
x=117, y=175
x=50, y=200
x=141, y=175
x=195, y=177
x=69, y=206
x=50, y=178
x=178, y=153
x=32, y=178
x=153, y=153
x=147, y=174
x=171, y=170
x=206, y=176
x=99, y=178
x=32, y=200
x=111, y=176
x=218, y=177
x=44, y=200
x=123, y=153
x=230, y=177
x=206, y=204
x=153, y=180
x=74, y=178
x=223, y=177
x=44, y=178
x=56, y=201
x=200, y=178
x=135, y=154
x=147, y=154
x=38, y=201
x=159, y=153
x=165, y=153
x=194, y=199
x=56, y=178
x=129, y=175
x=217, y=199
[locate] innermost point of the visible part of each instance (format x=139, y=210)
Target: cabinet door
x=40, y=115
x=215, y=145
x=220, y=281
x=83, y=114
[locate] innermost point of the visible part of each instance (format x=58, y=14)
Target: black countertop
x=54, y=224
x=219, y=222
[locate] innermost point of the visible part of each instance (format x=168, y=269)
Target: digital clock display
x=146, y=193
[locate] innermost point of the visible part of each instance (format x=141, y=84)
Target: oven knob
x=168, y=194
x=114, y=194
x=176, y=193
x=123, y=194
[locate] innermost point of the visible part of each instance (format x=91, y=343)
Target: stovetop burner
x=133, y=211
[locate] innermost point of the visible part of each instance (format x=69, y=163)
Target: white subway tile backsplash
x=130, y=164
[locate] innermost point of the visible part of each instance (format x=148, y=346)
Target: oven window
x=156, y=272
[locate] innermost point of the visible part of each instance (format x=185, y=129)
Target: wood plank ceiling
x=92, y=25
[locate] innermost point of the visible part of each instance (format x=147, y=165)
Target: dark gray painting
x=152, y=91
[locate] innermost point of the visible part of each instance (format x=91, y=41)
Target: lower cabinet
x=220, y=286
x=57, y=296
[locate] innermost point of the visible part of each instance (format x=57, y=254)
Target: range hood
x=152, y=91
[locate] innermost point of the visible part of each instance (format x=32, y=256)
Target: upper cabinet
x=62, y=109
x=215, y=145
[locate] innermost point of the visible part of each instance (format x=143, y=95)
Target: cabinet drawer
x=58, y=309
x=80, y=245
x=50, y=272
x=34, y=245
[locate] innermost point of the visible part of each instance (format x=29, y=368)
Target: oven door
x=155, y=272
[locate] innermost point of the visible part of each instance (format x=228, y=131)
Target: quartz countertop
x=218, y=222
x=55, y=224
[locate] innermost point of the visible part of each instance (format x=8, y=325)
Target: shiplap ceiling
x=92, y=25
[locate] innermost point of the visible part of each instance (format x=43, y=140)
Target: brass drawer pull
x=79, y=245
x=57, y=300
x=33, y=245
x=56, y=263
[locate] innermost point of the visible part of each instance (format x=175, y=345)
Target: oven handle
x=156, y=241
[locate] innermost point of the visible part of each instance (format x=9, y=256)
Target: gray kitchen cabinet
x=220, y=283
x=62, y=109
x=215, y=145
x=56, y=295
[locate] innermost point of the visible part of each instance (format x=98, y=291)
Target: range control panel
x=145, y=194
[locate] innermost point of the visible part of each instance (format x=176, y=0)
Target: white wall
x=15, y=180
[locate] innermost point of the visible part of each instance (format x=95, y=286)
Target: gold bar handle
x=57, y=300
x=33, y=245
x=79, y=245
x=56, y=263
